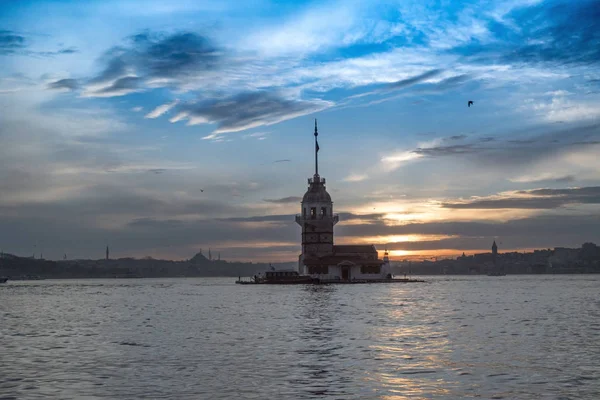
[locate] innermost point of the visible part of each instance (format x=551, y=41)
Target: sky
x=161, y=128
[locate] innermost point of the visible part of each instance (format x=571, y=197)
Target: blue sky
x=160, y=127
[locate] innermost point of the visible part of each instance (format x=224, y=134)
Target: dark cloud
x=263, y=218
x=512, y=152
x=11, y=42
x=457, y=137
x=440, y=151
x=70, y=84
x=70, y=50
x=247, y=110
x=160, y=56
x=114, y=69
x=556, y=179
x=534, y=199
x=284, y=200
x=550, y=228
x=175, y=55
x=412, y=81
x=15, y=43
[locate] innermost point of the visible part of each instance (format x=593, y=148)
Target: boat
x=287, y=277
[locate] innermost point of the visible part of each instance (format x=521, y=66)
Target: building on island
x=320, y=257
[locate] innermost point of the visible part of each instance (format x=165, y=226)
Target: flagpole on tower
x=316, y=150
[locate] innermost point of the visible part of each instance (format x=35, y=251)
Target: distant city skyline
x=158, y=128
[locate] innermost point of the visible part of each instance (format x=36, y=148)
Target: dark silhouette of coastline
x=18, y=268
x=560, y=260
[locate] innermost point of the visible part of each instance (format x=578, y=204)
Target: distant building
x=320, y=257
x=107, y=253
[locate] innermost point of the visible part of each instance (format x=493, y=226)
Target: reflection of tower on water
x=319, y=347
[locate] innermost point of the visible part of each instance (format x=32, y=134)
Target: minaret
x=209, y=254
x=107, y=253
x=316, y=215
x=219, y=257
x=494, y=252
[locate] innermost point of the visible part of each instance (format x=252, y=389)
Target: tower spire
x=316, y=150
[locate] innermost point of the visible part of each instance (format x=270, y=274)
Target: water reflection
x=194, y=338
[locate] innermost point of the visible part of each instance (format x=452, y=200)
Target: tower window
x=313, y=212
x=323, y=211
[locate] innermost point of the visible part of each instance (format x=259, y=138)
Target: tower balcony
x=300, y=219
x=316, y=179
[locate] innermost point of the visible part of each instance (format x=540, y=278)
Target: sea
x=453, y=337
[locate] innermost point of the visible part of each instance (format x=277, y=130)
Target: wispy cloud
x=162, y=109
x=532, y=199
x=285, y=200
x=356, y=177
x=246, y=110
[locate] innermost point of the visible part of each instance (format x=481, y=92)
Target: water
x=488, y=337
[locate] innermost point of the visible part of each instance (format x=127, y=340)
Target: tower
x=209, y=254
x=316, y=215
x=494, y=252
x=107, y=253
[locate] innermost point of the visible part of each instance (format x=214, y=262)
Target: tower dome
x=316, y=192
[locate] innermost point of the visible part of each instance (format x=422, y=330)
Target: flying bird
x=202, y=190
x=470, y=103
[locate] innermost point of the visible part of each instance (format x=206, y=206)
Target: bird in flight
x=470, y=103
x=202, y=190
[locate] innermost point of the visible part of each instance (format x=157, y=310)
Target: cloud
x=396, y=160
x=356, y=178
x=532, y=199
x=137, y=109
x=285, y=200
x=414, y=80
x=544, y=178
x=156, y=59
x=11, y=42
x=457, y=137
x=69, y=84
x=440, y=151
x=162, y=109
x=564, y=32
x=120, y=87
x=246, y=110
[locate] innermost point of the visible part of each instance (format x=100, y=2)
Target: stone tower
x=494, y=252
x=316, y=215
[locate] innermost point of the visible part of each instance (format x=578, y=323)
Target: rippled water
x=488, y=337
